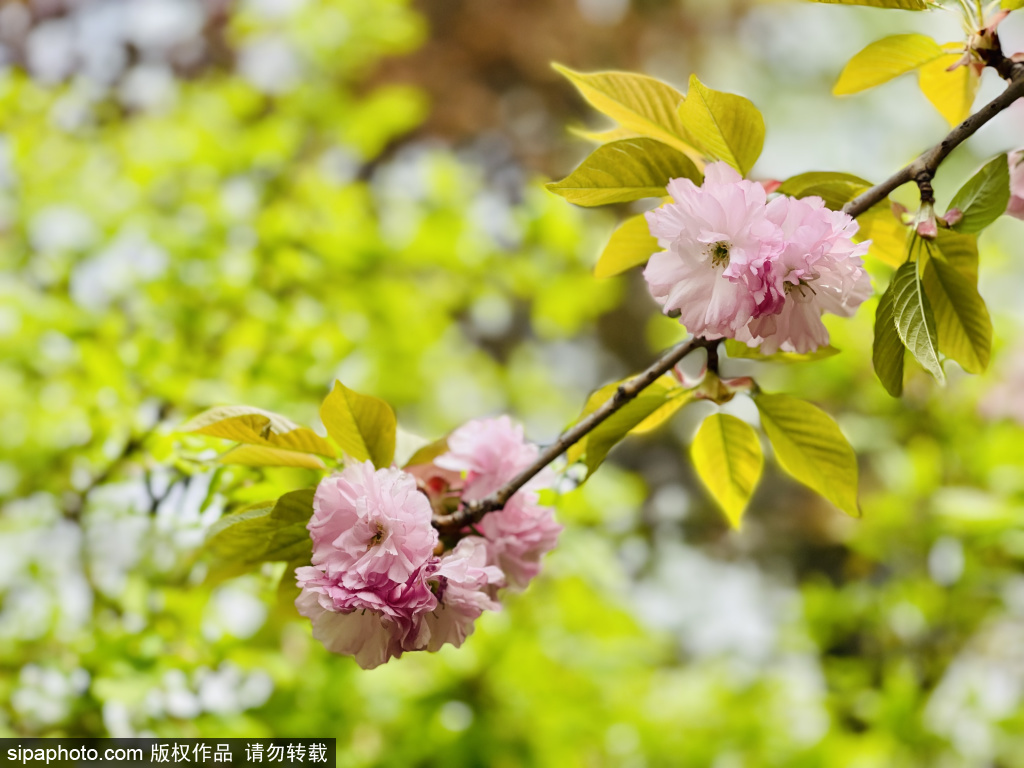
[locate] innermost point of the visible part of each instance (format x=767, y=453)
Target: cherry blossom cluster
x=738, y=265
x=382, y=580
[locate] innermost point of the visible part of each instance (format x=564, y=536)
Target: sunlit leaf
x=603, y=137
x=984, y=198
x=245, y=424
x=727, y=456
x=1012, y=5
x=888, y=352
x=428, y=452
x=961, y=317
x=905, y=5
x=959, y=251
x=723, y=125
x=638, y=103
x=363, y=426
x=888, y=235
x=915, y=321
x=265, y=456
x=625, y=170
x=737, y=349
x=885, y=59
x=809, y=446
x=630, y=245
x=836, y=189
x=951, y=93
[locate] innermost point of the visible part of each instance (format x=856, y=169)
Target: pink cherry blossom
x=490, y=451
x=1016, y=206
x=371, y=527
x=717, y=239
x=371, y=624
x=518, y=536
x=821, y=270
x=463, y=580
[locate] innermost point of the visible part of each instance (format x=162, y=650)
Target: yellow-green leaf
x=737, y=349
x=809, y=446
x=625, y=170
x=961, y=317
x=363, y=426
x=723, y=126
x=428, y=452
x=888, y=352
x=951, y=93
x=915, y=321
x=603, y=137
x=903, y=5
x=959, y=250
x=245, y=424
x=836, y=189
x=638, y=103
x=265, y=456
x=1012, y=5
x=888, y=235
x=885, y=59
x=727, y=456
x=984, y=197
x=630, y=245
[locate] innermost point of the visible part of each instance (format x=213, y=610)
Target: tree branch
x=926, y=165
x=473, y=511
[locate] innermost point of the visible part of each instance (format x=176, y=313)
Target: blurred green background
x=223, y=202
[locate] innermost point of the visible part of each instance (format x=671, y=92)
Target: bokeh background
x=226, y=202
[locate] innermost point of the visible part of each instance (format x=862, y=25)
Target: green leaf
x=888, y=351
x=984, y=198
x=723, y=125
x=651, y=408
x=265, y=456
x=637, y=102
x=904, y=5
x=885, y=59
x=364, y=426
x=270, y=532
x=428, y=452
x=737, y=349
x=625, y=170
x=951, y=92
x=836, y=189
x=960, y=251
x=809, y=446
x=245, y=424
x=630, y=245
x=603, y=137
x=915, y=322
x=962, y=319
x=727, y=456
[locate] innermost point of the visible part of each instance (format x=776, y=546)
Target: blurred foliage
x=246, y=241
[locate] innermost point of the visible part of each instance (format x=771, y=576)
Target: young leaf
x=727, y=456
x=630, y=245
x=950, y=92
x=904, y=5
x=737, y=349
x=959, y=251
x=984, y=198
x=809, y=446
x=964, y=326
x=638, y=103
x=1012, y=5
x=885, y=59
x=915, y=322
x=263, y=533
x=888, y=351
x=363, y=426
x=836, y=189
x=603, y=137
x=265, y=456
x=245, y=424
x=723, y=125
x=888, y=235
x=625, y=170
x=428, y=452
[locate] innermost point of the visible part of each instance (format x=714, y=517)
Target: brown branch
x=925, y=166
x=472, y=512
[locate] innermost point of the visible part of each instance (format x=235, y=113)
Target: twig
x=473, y=512
x=925, y=166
